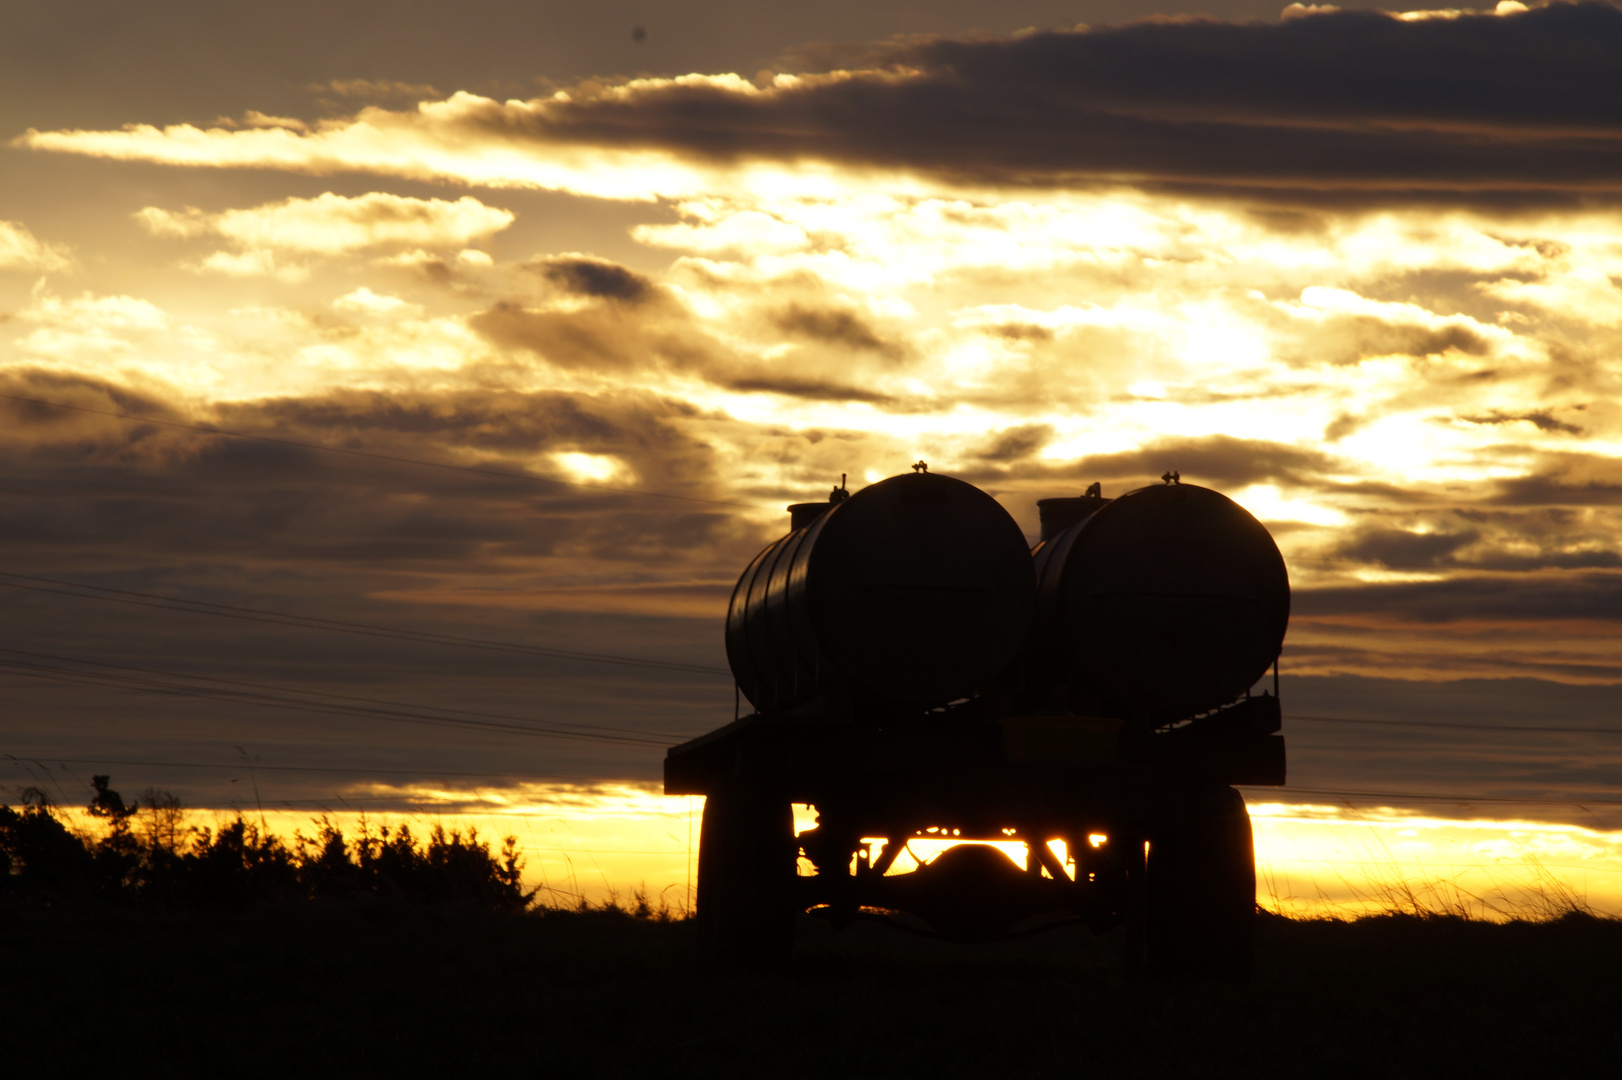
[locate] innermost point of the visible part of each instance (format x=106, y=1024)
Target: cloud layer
x=1358, y=271
x=1478, y=105
x=329, y=224
x=20, y=249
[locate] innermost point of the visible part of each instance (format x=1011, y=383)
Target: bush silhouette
x=42, y=859
x=146, y=858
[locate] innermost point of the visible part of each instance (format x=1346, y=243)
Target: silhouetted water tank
x=1057, y=515
x=802, y=514
x=1167, y=601
x=917, y=590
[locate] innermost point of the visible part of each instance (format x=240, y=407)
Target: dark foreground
x=347, y=992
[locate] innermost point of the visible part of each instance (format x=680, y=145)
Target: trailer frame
x=1175, y=863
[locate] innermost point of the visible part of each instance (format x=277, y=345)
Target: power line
x=311, y=693
x=362, y=770
x=93, y=679
x=41, y=671
x=1432, y=796
x=209, y=429
x=1448, y=863
x=311, y=622
x=1461, y=726
x=1452, y=569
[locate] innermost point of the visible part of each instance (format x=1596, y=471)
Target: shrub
x=146, y=858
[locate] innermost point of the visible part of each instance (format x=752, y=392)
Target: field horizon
x=376, y=963
x=384, y=988
x=595, y=844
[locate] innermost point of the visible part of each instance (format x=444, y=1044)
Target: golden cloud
x=374, y=89
x=331, y=224
x=20, y=249
x=458, y=139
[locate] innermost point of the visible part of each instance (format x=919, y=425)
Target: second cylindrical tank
x=1163, y=603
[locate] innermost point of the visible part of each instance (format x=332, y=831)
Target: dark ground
x=342, y=992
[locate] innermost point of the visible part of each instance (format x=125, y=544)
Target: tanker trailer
x=917, y=676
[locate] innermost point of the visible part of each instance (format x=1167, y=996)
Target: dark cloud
x=813, y=389
x=1350, y=99
x=111, y=489
x=651, y=336
x=1015, y=443
x=566, y=338
x=1398, y=547
x=272, y=526
x=1546, y=489
x=1475, y=538
x=1291, y=221
x=1581, y=559
x=1020, y=332
x=1353, y=339
x=21, y=414
x=599, y=278
x=1542, y=419
x=1220, y=461
x=1414, y=655
x=267, y=525
x=832, y=326
x=1343, y=425
x=1006, y=464
x=1547, y=68
x=599, y=338
x=1596, y=596
x=504, y=422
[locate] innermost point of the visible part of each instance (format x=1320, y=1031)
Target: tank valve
x=1095, y=490
x=839, y=494
x=920, y=466
x=1172, y=476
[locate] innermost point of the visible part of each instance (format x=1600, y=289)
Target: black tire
x=746, y=861
x=1199, y=896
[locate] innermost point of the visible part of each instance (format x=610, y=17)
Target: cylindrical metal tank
x=1165, y=602
x=916, y=591
x=1057, y=515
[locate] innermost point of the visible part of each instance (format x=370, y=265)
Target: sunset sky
x=535, y=316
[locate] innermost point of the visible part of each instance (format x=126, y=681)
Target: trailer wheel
x=1199, y=895
x=746, y=860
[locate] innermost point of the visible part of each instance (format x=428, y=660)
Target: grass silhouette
x=146, y=859
x=347, y=990
x=152, y=950
x=1374, y=880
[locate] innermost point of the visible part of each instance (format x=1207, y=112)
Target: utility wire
x=151, y=686
x=360, y=770
x=209, y=429
x=1431, y=795
x=281, y=618
x=147, y=686
x=1457, y=725
x=1451, y=865
x=314, y=693
x=1427, y=795
x=1426, y=568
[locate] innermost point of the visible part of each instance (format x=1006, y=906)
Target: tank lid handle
x=840, y=493
x=1172, y=476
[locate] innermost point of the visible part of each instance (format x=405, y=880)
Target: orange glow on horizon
x=610, y=842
